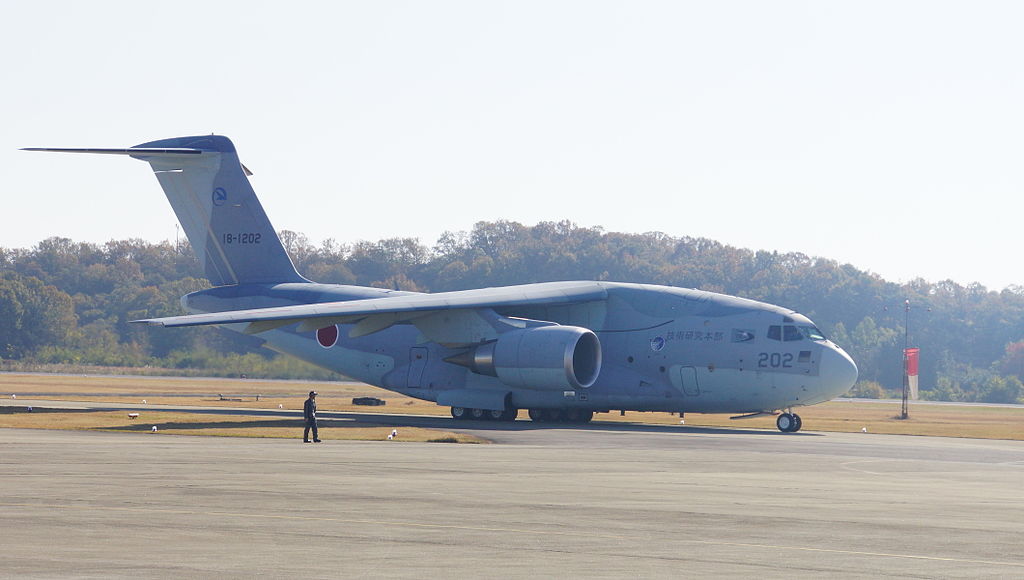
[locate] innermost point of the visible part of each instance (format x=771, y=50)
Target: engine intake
x=545, y=358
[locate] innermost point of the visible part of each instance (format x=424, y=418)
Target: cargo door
x=417, y=363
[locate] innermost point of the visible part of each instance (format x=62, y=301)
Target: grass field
x=220, y=426
x=876, y=417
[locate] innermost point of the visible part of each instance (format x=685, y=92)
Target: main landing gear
x=484, y=414
x=573, y=416
x=789, y=422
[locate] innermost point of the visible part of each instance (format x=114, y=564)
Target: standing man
x=309, y=414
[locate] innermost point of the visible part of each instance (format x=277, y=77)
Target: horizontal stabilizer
x=139, y=151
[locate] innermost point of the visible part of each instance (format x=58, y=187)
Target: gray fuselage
x=663, y=349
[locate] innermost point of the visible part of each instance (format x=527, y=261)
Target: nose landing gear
x=789, y=422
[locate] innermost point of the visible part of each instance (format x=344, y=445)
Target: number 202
x=775, y=360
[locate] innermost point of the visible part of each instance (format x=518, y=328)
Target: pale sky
x=888, y=134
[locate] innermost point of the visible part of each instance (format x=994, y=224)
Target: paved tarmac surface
x=606, y=501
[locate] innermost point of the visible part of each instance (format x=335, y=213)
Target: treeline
x=63, y=301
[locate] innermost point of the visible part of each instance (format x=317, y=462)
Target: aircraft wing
x=374, y=314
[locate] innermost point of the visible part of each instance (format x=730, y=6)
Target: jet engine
x=545, y=357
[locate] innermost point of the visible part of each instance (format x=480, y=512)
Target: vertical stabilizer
x=217, y=207
x=219, y=211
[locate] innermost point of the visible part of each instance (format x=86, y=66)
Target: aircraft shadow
x=450, y=424
x=293, y=419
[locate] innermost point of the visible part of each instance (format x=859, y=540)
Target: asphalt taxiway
x=606, y=501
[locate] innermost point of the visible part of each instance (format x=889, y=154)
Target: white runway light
x=280, y=406
x=144, y=402
x=390, y=437
x=863, y=429
x=154, y=428
x=13, y=396
x=394, y=433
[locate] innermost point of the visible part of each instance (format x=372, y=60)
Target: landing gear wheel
x=494, y=415
x=459, y=413
x=799, y=423
x=477, y=414
x=578, y=416
x=788, y=423
x=538, y=415
x=509, y=415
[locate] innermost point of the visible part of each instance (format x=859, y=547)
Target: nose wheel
x=789, y=422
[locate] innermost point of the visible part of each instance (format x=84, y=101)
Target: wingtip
x=147, y=322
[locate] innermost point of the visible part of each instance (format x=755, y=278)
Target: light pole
x=904, y=414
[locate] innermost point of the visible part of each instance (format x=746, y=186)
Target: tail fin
x=217, y=207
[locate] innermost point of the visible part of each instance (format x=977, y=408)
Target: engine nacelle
x=544, y=358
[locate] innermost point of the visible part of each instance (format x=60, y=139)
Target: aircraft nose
x=838, y=372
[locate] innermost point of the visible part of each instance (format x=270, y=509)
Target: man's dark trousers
x=305, y=432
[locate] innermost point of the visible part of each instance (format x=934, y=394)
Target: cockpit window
x=791, y=333
x=812, y=333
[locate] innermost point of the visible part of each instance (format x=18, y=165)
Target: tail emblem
x=220, y=196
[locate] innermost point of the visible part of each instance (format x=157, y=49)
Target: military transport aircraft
x=562, y=350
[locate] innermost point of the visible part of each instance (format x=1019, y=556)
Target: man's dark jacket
x=309, y=412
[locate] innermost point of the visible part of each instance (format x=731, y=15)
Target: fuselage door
x=688, y=381
x=417, y=362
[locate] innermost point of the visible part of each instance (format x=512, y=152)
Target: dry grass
x=939, y=420
x=168, y=423
x=334, y=396
x=851, y=417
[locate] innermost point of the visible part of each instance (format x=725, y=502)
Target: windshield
x=787, y=333
x=812, y=332
x=790, y=334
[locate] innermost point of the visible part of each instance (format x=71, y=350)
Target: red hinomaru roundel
x=327, y=336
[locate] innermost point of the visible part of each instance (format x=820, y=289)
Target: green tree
x=32, y=314
x=1012, y=362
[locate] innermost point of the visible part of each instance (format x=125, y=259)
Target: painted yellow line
x=506, y=530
